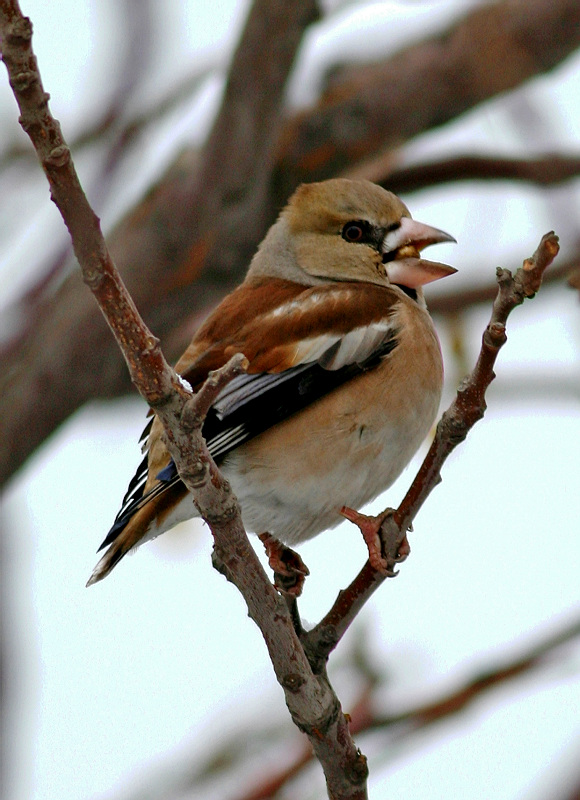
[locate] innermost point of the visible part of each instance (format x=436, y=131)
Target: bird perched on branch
x=344, y=376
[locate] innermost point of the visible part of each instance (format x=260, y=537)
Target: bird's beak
x=401, y=249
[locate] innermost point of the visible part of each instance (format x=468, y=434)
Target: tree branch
x=372, y=108
x=406, y=723
x=194, y=222
x=462, y=299
x=178, y=780
x=546, y=170
x=467, y=408
x=312, y=703
x=314, y=707
x=192, y=247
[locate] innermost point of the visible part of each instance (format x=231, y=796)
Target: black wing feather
x=248, y=406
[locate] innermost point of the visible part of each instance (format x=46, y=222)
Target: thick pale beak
x=401, y=249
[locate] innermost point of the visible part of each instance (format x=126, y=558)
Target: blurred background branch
x=194, y=232
x=384, y=732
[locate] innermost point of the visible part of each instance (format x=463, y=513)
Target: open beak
x=401, y=249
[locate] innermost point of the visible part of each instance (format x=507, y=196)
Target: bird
x=343, y=382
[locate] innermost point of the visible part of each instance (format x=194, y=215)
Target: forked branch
x=312, y=703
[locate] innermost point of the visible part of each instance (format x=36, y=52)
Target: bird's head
x=346, y=230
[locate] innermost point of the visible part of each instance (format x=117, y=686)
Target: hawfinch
x=344, y=376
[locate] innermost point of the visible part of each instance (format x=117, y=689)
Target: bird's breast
x=347, y=447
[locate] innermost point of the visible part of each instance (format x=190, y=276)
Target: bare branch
x=546, y=170
x=468, y=297
x=189, y=242
x=467, y=408
x=176, y=781
x=485, y=678
x=204, y=218
x=482, y=680
x=371, y=109
x=314, y=707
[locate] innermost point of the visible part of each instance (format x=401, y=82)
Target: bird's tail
x=111, y=558
x=144, y=524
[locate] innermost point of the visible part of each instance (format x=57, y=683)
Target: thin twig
x=467, y=408
x=465, y=298
x=482, y=680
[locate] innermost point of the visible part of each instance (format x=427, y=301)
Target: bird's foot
x=289, y=570
x=385, y=545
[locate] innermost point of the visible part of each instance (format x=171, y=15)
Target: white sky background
x=160, y=659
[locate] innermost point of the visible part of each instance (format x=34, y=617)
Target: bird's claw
x=290, y=571
x=384, y=552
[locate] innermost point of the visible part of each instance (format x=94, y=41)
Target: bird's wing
x=301, y=343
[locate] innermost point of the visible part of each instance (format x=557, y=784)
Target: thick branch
x=406, y=723
x=188, y=243
x=205, y=219
x=467, y=408
x=314, y=707
x=373, y=108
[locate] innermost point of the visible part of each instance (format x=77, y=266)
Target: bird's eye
x=353, y=232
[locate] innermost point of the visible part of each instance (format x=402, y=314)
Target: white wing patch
x=334, y=351
x=303, y=304
x=309, y=350
x=330, y=351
